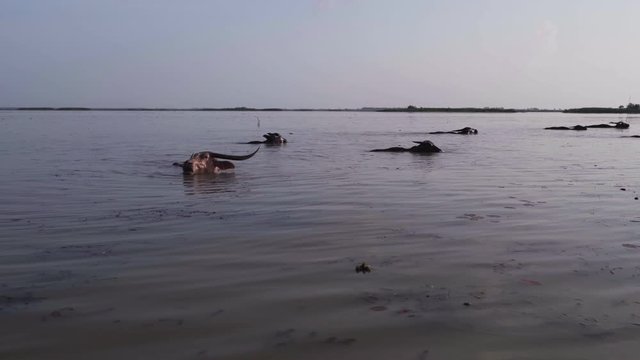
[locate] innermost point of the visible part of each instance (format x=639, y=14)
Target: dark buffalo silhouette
x=577, y=127
x=271, y=139
x=611, y=125
x=463, y=131
x=423, y=147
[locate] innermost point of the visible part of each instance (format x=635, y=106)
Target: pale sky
x=319, y=53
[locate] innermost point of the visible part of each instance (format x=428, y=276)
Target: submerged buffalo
x=463, y=131
x=423, y=147
x=206, y=162
x=616, y=125
x=577, y=127
x=271, y=139
x=611, y=125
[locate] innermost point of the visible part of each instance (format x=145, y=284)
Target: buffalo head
x=206, y=162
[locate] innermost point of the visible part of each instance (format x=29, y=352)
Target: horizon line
x=410, y=108
x=629, y=109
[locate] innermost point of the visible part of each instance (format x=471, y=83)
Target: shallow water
x=517, y=243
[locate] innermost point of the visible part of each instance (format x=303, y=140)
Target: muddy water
x=517, y=243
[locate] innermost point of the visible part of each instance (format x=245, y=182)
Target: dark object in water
x=616, y=125
x=206, y=162
x=463, y=131
x=271, y=139
x=425, y=146
x=577, y=127
x=363, y=268
x=632, y=136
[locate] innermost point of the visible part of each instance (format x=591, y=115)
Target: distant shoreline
x=409, y=109
x=365, y=109
x=601, y=110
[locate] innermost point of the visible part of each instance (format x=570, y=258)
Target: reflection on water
x=209, y=183
x=507, y=240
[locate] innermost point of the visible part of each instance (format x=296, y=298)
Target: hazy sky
x=319, y=53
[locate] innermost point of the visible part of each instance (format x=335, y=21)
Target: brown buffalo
x=206, y=162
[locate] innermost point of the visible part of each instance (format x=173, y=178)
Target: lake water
x=517, y=243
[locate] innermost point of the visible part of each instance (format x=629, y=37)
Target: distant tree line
x=631, y=108
x=412, y=108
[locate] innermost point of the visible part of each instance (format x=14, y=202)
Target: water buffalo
x=616, y=125
x=423, y=147
x=463, y=131
x=611, y=125
x=271, y=139
x=577, y=127
x=206, y=162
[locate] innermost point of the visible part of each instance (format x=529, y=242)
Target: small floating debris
x=58, y=313
x=631, y=246
x=531, y=282
x=335, y=340
x=363, y=268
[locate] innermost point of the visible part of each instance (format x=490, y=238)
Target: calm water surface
x=517, y=243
